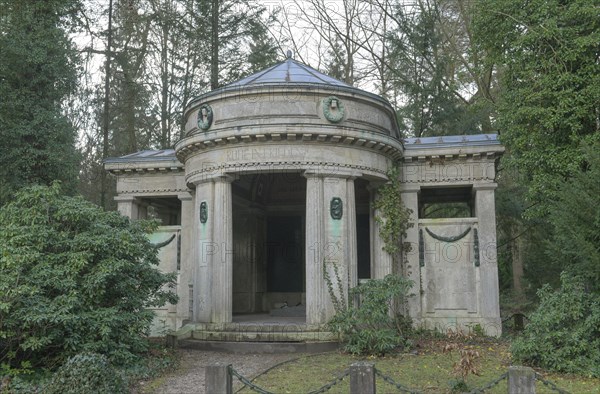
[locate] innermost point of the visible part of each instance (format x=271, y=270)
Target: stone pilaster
x=128, y=206
x=485, y=210
x=186, y=269
x=410, y=199
x=352, y=248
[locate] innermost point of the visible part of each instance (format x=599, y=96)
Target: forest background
x=82, y=80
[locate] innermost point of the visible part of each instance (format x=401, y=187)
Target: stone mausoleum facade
x=274, y=181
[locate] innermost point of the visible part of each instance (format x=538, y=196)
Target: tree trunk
x=517, y=262
x=214, y=43
x=105, y=115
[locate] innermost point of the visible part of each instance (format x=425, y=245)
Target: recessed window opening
x=167, y=210
x=446, y=202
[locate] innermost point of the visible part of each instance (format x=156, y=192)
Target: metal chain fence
x=248, y=383
x=260, y=390
x=399, y=386
x=388, y=379
x=550, y=384
x=490, y=384
x=329, y=385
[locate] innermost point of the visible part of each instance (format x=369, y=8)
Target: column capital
x=125, y=198
x=485, y=186
x=222, y=177
x=185, y=196
x=410, y=188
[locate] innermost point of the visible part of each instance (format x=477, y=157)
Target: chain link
x=248, y=383
x=260, y=390
x=391, y=381
x=550, y=384
x=329, y=385
x=402, y=388
x=490, y=384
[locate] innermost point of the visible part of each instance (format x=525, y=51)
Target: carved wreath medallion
x=205, y=116
x=333, y=109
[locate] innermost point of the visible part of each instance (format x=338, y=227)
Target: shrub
x=376, y=325
x=88, y=373
x=74, y=279
x=564, y=332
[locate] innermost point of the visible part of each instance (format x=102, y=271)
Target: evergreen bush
x=376, y=325
x=74, y=279
x=564, y=332
x=87, y=373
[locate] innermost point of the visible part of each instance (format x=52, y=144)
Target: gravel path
x=189, y=378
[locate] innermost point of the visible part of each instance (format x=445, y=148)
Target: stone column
x=485, y=210
x=315, y=284
x=352, y=248
x=330, y=240
x=222, y=269
x=410, y=199
x=381, y=261
x=186, y=268
x=204, y=250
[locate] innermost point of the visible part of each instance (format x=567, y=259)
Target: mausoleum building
x=274, y=182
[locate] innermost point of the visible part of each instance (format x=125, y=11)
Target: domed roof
x=289, y=71
x=289, y=74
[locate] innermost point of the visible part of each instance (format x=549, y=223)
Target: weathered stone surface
x=362, y=378
x=269, y=151
x=521, y=380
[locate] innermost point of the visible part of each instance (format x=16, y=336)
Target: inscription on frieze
x=267, y=153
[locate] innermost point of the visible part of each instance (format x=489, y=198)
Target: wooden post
x=217, y=379
x=521, y=380
x=362, y=378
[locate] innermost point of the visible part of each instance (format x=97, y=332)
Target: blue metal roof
x=288, y=71
x=292, y=74
x=145, y=155
x=450, y=141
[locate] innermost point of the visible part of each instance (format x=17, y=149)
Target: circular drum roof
x=289, y=117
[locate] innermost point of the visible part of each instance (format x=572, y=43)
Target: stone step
x=263, y=335
x=257, y=333
x=259, y=347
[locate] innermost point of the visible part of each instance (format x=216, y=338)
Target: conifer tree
x=38, y=71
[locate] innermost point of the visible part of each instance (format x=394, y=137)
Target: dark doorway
x=363, y=246
x=285, y=254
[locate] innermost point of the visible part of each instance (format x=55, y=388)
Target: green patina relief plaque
x=336, y=207
x=203, y=212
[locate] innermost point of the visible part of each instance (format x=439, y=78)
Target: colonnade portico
x=330, y=242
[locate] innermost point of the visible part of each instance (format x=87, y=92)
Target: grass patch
x=429, y=370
